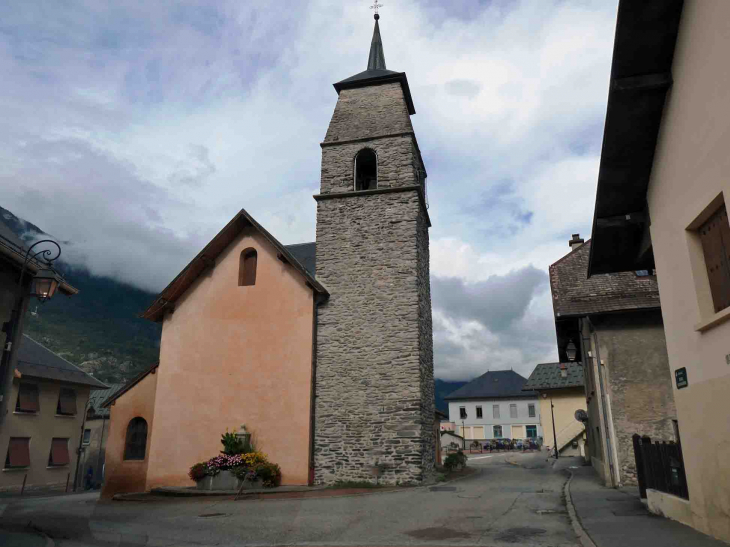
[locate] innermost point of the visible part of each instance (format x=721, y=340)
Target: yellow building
x=661, y=204
x=561, y=394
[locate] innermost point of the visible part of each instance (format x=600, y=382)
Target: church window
x=366, y=170
x=247, y=268
x=136, y=441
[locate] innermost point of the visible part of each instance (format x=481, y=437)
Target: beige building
x=40, y=437
x=96, y=433
x=560, y=391
x=661, y=203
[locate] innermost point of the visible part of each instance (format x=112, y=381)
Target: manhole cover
x=206, y=515
x=517, y=535
x=437, y=534
x=443, y=489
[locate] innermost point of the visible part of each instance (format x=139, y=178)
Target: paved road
x=504, y=504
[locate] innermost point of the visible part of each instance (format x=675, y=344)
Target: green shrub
x=270, y=473
x=456, y=461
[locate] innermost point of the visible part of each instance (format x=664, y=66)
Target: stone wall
x=639, y=382
x=369, y=406
x=366, y=112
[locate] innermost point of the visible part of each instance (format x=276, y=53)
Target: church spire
x=376, y=60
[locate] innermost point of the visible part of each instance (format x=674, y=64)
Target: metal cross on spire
x=375, y=7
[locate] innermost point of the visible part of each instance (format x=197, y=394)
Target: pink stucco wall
x=233, y=355
x=120, y=475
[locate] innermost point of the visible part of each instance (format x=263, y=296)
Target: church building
x=323, y=350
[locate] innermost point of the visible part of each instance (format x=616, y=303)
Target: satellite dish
x=581, y=415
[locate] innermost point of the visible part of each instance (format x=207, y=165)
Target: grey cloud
x=463, y=88
x=496, y=302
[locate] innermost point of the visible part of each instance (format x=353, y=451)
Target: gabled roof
x=207, y=256
x=495, y=384
x=547, y=376
x=37, y=361
x=575, y=294
x=97, y=398
x=129, y=385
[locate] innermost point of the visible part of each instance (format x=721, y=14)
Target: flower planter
x=226, y=480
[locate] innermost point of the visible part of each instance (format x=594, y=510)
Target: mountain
x=98, y=329
x=442, y=389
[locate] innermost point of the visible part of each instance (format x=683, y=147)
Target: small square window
x=462, y=413
x=59, y=452
x=18, y=454
x=27, y=398
x=479, y=412
x=66, y=402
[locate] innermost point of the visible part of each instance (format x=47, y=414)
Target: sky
x=134, y=131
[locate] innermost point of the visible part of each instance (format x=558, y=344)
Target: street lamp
x=43, y=287
x=571, y=351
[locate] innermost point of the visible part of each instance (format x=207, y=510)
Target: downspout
x=313, y=387
x=101, y=447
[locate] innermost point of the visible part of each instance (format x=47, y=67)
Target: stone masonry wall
x=639, y=381
x=370, y=406
x=368, y=112
x=425, y=334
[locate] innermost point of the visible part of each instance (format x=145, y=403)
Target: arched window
x=247, y=268
x=136, y=442
x=366, y=170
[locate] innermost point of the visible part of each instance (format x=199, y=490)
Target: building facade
x=494, y=406
x=666, y=208
x=374, y=401
x=614, y=322
x=41, y=436
x=560, y=391
x=96, y=434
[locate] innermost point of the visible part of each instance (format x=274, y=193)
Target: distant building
x=494, y=406
x=40, y=437
x=560, y=390
x=661, y=202
x=615, y=323
x=96, y=432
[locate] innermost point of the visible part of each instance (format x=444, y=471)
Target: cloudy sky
x=136, y=130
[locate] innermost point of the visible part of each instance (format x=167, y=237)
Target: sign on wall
x=680, y=376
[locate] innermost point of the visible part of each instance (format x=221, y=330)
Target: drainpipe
x=101, y=446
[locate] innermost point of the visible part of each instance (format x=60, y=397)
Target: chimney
x=563, y=370
x=576, y=242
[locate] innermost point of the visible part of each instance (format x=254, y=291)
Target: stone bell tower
x=374, y=391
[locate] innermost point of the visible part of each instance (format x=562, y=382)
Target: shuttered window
x=66, y=402
x=715, y=237
x=59, y=452
x=18, y=454
x=136, y=442
x=512, y=411
x=247, y=268
x=27, y=398
x=495, y=411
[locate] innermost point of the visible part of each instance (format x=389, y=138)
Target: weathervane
x=375, y=7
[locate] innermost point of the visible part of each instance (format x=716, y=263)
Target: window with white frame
x=479, y=412
x=513, y=411
x=531, y=411
x=462, y=413
x=495, y=411
x=497, y=429
x=531, y=431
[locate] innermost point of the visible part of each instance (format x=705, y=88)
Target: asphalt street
x=513, y=499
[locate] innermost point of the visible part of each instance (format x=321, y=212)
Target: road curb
x=583, y=536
